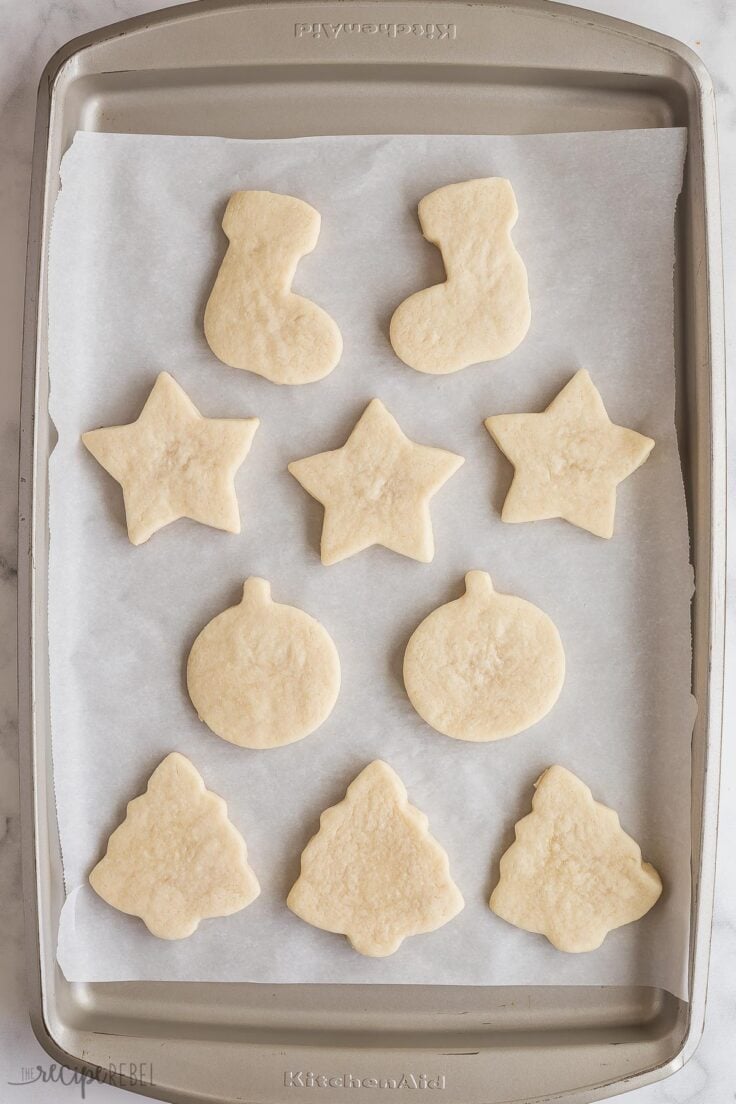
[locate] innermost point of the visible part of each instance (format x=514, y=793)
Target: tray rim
x=703, y=884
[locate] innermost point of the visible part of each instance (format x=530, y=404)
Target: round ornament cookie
x=262, y=674
x=485, y=666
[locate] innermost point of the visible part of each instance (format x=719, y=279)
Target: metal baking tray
x=279, y=69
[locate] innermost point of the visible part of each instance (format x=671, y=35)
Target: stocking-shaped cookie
x=253, y=319
x=373, y=872
x=176, y=859
x=482, y=311
x=572, y=874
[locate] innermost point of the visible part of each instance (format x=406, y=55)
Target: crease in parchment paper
x=135, y=246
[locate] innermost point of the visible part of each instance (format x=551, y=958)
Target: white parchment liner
x=135, y=247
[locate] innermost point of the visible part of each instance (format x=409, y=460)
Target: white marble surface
x=30, y=30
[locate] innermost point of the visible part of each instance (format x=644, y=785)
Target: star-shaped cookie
x=173, y=463
x=568, y=460
x=376, y=489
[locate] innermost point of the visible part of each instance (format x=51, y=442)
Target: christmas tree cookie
x=173, y=463
x=262, y=674
x=481, y=312
x=253, y=319
x=568, y=460
x=572, y=874
x=176, y=859
x=485, y=666
x=376, y=489
x=373, y=872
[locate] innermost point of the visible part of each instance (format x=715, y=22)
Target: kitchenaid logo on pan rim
x=308, y=1079
x=435, y=32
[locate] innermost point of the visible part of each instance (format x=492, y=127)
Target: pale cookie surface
x=253, y=319
x=176, y=859
x=376, y=489
x=485, y=666
x=173, y=463
x=568, y=460
x=262, y=674
x=373, y=872
x=482, y=310
x=572, y=873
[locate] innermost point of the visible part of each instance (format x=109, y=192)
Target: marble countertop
x=30, y=31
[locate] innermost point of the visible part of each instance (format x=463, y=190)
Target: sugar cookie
x=376, y=489
x=569, y=460
x=572, y=874
x=253, y=319
x=485, y=666
x=176, y=859
x=373, y=872
x=262, y=674
x=173, y=463
x=482, y=310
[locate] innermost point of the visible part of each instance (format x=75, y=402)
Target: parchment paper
x=135, y=247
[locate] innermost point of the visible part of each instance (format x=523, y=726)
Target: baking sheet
x=134, y=250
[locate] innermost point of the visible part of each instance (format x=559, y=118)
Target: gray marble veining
x=30, y=30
